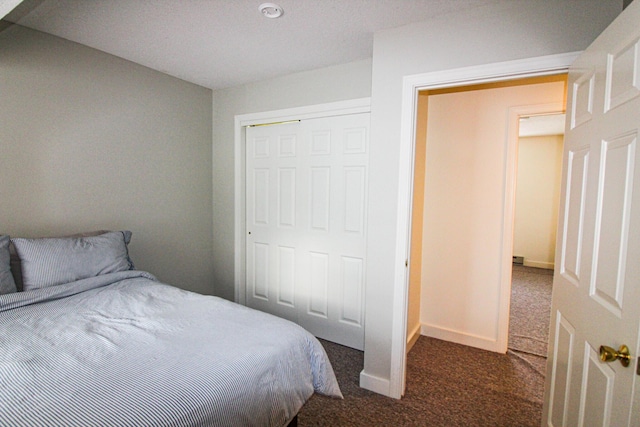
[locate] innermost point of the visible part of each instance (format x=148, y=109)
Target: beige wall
x=537, y=198
x=465, y=186
x=90, y=141
x=331, y=84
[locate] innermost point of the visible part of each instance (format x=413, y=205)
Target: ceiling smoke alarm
x=270, y=10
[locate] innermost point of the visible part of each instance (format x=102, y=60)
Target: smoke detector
x=270, y=10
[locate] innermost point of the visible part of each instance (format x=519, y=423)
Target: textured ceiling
x=223, y=43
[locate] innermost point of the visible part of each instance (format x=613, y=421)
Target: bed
x=89, y=340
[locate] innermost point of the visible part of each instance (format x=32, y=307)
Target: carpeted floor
x=530, y=313
x=450, y=384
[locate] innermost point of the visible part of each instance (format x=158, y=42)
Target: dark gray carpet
x=449, y=384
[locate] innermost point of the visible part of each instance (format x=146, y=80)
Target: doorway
x=411, y=86
x=468, y=203
x=538, y=182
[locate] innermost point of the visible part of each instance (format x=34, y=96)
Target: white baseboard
x=375, y=384
x=413, y=336
x=539, y=264
x=460, y=337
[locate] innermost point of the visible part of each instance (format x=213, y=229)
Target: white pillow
x=58, y=260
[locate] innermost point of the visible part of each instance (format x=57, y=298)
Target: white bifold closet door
x=306, y=212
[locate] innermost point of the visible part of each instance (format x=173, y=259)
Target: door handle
x=608, y=354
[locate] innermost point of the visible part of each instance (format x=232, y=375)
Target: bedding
x=122, y=349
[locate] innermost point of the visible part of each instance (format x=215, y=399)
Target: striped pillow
x=7, y=284
x=58, y=260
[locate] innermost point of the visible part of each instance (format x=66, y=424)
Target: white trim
x=452, y=335
x=340, y=108
x=397, y=376
x=413, y=336
x=539, y=264
x=489, y=73
x=375, y=384
x=531, y=67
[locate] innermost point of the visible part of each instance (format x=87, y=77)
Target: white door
x=306, y=216
x=596, y=295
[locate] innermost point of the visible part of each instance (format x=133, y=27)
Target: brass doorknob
x=608, y=354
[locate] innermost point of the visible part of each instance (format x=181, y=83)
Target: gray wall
x=90, y=141
x=331, y=84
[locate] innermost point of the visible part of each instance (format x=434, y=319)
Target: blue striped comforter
x=125, y=350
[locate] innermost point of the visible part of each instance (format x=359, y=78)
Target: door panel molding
x=561, y=379
x=617, y=161
x=624, y=86
x=577, y=173
x=597, y=390
x=583, y=99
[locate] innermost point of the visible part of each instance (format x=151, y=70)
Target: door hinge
x=406, y=263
